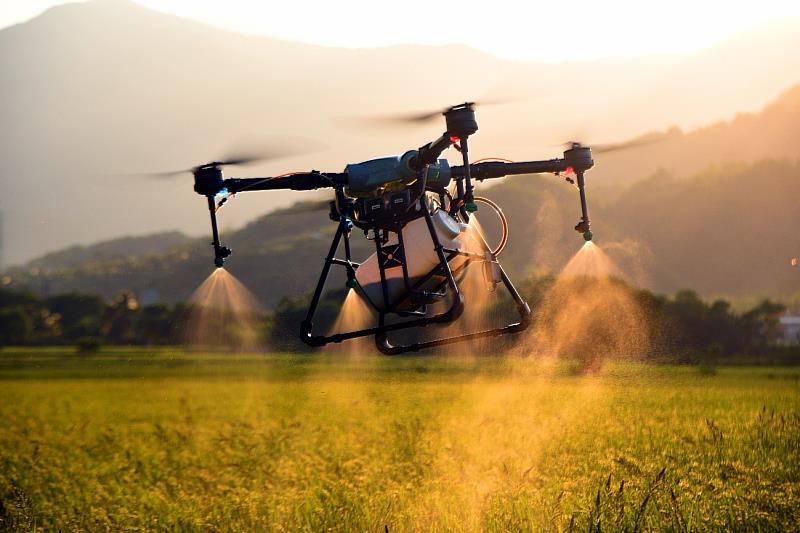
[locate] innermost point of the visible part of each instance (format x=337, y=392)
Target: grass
x=132, y=439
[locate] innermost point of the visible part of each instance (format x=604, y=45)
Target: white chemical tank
x=421, y=258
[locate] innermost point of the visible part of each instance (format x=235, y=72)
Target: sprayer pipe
x=582, y=191
x=498, y=169
x=214, y=231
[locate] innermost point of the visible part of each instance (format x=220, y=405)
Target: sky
x=514, y=29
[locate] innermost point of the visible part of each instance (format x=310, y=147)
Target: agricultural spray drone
x=419, y=224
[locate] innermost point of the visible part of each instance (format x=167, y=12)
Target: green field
x=162, y=439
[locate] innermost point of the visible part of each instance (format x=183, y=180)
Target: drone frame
x=418, y=318
x=461, y=124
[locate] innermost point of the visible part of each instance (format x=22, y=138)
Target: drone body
x=416, y=208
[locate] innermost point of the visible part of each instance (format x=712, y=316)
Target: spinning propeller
x=293, y=147
x=605, y=148
x=421, y=117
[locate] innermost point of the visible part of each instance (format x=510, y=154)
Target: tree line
x=681, y=326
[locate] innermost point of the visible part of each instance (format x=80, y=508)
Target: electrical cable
x=503, y=221
x=503, y=159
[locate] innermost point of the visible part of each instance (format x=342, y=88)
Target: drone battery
x=398, y=202
x=373, y=206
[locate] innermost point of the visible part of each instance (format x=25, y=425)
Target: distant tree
x=686, y=314
x=761, y=324
x=80, y=314
x=155, y=324
x=652, y=307
x=720, y=328
x=16, y=326
x=119, y=322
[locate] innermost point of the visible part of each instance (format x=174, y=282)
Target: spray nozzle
x=352, y=282
x=220, y=253
x=584, y=227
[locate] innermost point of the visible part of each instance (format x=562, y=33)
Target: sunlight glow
x=552, y=31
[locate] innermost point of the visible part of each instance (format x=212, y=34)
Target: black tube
x=498, y=169
x=582, y=190
x=306, y=181
x=429, y=154
x=212, y=208
x=469, y=196
x=220, y=252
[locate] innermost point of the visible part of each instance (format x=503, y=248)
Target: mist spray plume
x=589, y=315
x=481, y=309
x=355, y=314
x=224, y=313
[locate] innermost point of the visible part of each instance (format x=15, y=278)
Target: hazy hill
x=94, y=90
x=729, y=230
x=112, y=249
x=773, y=132
x=277, y=255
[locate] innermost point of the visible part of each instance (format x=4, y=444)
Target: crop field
x=143, y=439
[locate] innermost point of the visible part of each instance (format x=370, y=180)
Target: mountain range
x=94, y=94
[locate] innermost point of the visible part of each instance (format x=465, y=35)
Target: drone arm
x=498, y=169
x=302, y=181
x=577, y=159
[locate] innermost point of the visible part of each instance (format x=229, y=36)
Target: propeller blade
x=635, y=143
x=250, y=157
x=396, y=120
x=170, y=174
x=613, y=147
x=279, y=149
x=417, y=117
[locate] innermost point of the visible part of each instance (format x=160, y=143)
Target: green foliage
x=157, y=324
x=700, y=327
x=16, y=326
x=79, y=315
x=88, y=321
x=685, y=327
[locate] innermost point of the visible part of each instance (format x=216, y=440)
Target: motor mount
x=208, y=179
x=578, y=158
x=460, y=120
